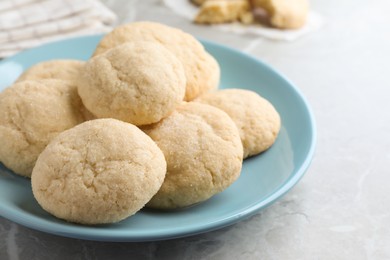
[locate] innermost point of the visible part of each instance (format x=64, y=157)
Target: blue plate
x=264, y=178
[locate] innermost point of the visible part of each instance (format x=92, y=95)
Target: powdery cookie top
x=257, y=120
x=201, y=69
x=203, y=151
x=57, y=69
x=139, y=82
x=53, y=69
x=31, y=114
x=284, y=14
x=101, y=171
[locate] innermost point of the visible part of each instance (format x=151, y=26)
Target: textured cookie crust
x=139, y=82
x=285, y=14
x=257, y=120
x=101, y=171
x=31, y=114
x=203, y=151
x=57, y=69
x=201, y=69
x=53, y=69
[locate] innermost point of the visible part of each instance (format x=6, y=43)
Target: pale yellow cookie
x=203, y=151
x=101, y=171
x=53, y=69
x=138, y=82
x=57, y=69
x=285, y=14
x=256, y=118
x=201, y=69
x=217, y=11
x=32, y=113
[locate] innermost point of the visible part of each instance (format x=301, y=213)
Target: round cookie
x=31, y=114
x=53, y=69
x=257, y=120
x=203, y=151
x=56, y=69
x=101, y=171
x=201, y=69
x=284, y=14
x=139, y=82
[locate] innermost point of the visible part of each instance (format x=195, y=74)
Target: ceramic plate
x=264, y=178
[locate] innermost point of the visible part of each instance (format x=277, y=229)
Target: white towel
x=28, y=23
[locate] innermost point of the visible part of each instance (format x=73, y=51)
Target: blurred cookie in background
x=217, y=11
x=281, y=14
x=284, y=14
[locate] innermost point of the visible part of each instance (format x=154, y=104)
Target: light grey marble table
x=341, y=208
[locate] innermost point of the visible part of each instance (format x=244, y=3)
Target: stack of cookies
x=141, y=123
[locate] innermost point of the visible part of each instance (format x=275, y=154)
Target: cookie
x=56, y=69
x=284, y=14
x=138, y=82
x=203, y=151
x=53, y=69
x=216, y=11
x=101, y=171
x=201, y=69
x=256, y=118
x=32, y=113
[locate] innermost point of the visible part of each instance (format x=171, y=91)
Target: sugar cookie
x=138, y=82
x=53, y=69
x=56, y=69
x=285, y=14
x=203, y=151
x=201, y=69
x=215, y=12
x=257, y=120
x=31, y=114
x=101, y=171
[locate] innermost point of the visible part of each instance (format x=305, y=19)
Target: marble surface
x=341, y=208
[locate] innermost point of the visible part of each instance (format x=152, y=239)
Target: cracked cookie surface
x=201, y=69
x=139, y=83
x=32, y=113
x=203, y=151
x=256, y=118
x=101, y=171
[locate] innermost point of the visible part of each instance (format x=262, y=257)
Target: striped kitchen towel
x=28, y=23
